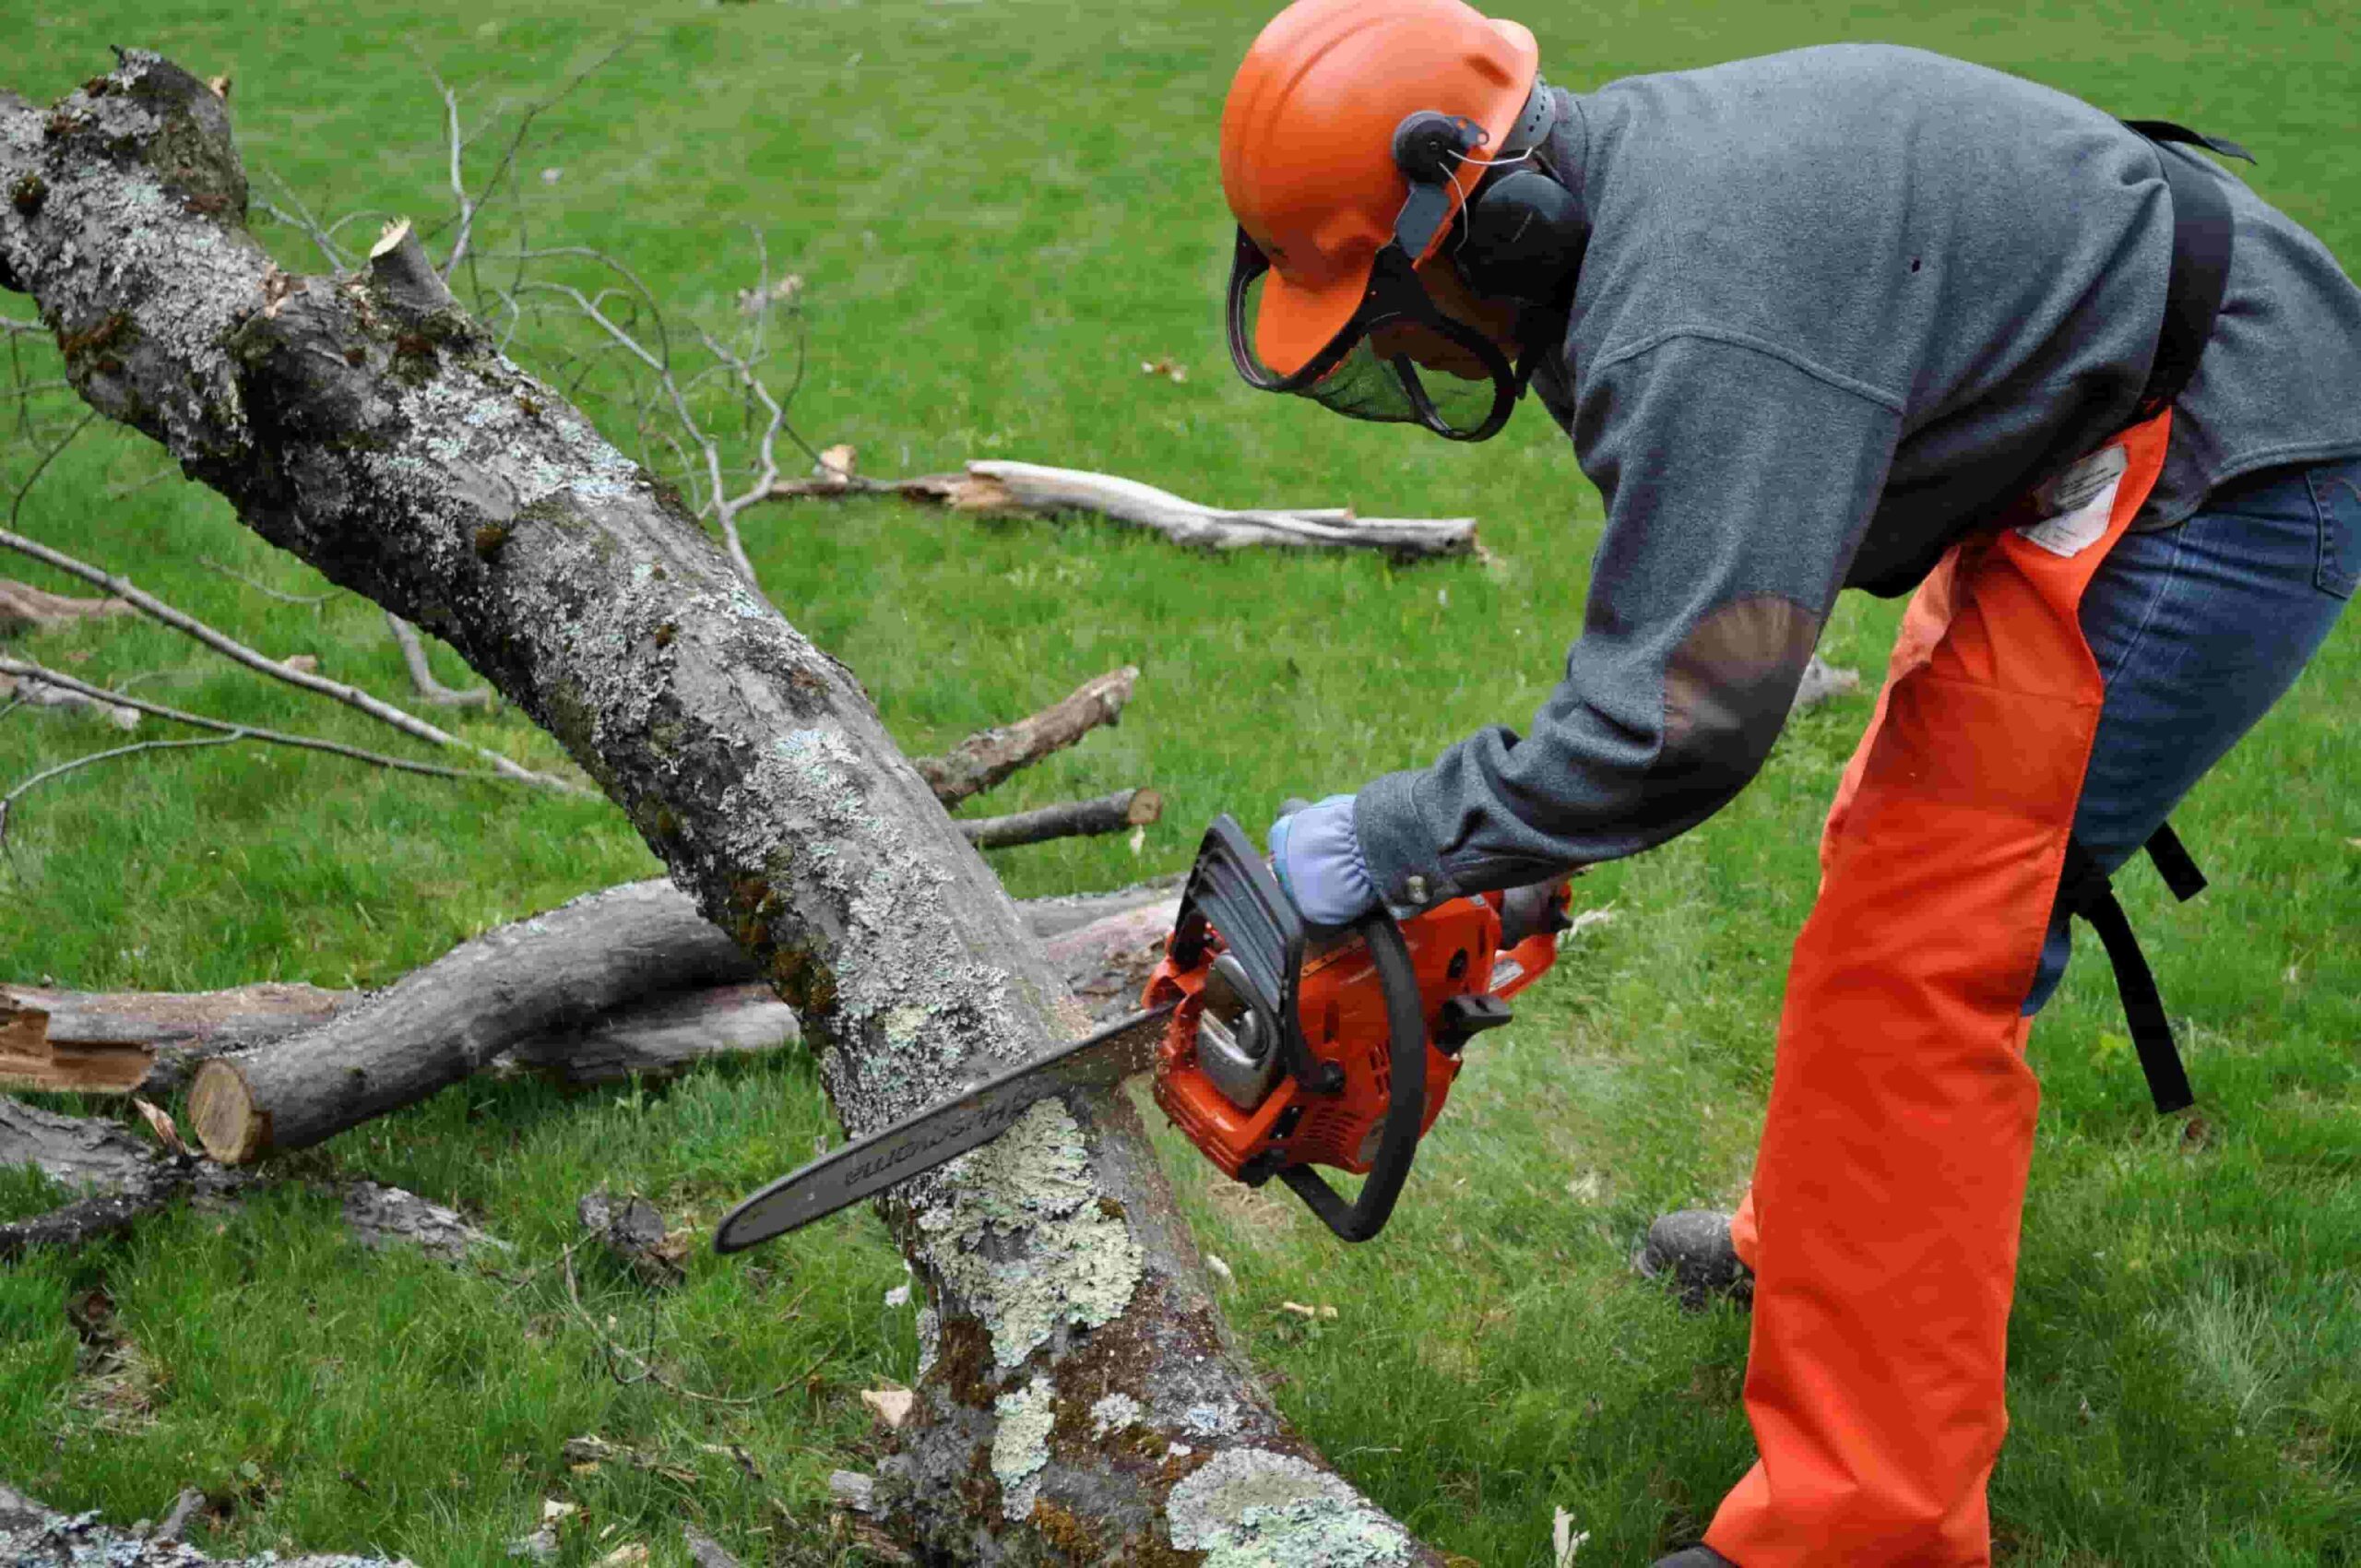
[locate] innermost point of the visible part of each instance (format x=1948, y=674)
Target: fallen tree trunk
x=151, y=1042
x=983, y=759
x=1070, y=819
x=369, y=426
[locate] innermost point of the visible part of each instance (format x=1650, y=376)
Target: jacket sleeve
x=1738, y=482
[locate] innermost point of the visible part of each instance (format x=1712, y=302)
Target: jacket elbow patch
x=1727, y=689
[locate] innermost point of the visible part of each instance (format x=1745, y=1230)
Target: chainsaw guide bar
x=942, y=1132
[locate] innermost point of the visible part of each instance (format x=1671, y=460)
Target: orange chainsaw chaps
x=1882, y=1225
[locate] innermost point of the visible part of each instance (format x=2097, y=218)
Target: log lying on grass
x=368, y=425
x=32, y=1536
x=151, y=1042
x=441, y=1023
x=99, y=1043
x=1003, y=489
x=631, y=980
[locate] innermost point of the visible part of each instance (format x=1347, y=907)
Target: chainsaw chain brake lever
x=1231, y=890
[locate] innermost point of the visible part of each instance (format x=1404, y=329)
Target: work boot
x=1693, y=1249
x=1696, y=1556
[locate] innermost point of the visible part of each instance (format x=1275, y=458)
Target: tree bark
x=1070, y=819
x=120, y=1178
x=368, y=426
x=986, y=757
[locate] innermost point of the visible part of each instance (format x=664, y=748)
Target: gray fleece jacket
x=1838, y=307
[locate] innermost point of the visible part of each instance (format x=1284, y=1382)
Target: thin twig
x=9, y=799
x=422, y=676
x=646, y=1371
x=266, y=591
x=324, y=240
x=352, y=697
x=27, y=670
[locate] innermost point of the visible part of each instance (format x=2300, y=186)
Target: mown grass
x=1000, y=211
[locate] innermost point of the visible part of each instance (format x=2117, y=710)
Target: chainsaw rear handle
x=1406, y=1107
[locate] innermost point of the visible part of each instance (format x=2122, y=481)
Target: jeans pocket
x=2336, y=492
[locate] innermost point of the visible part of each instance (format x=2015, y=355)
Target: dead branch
x=1822, y=681
x=1004, y=489
x=306, y=600
x=986, y=757
x=383, y=1217
x=1073, y=819
x=431, y=692
x=1108, y=960
x=33, y=692
x=230, y=648
x=661, y=1036
x=28, y=670
x=25, y=607
x=399, y=451
x=117, y=1179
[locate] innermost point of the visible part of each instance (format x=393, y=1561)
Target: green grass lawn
x=999, y=210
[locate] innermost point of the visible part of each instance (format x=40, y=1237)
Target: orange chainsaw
x=1273, y=1049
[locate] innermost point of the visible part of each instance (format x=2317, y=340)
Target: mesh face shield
x=1400, y=359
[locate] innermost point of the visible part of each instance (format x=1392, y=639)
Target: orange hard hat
x=1308, y=144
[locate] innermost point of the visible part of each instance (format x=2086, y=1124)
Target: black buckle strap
x=2087, y=892
x=2201, y=264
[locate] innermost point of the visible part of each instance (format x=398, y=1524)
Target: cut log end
x=229, y=1123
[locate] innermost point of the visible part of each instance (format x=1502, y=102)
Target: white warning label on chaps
x=2076, y=505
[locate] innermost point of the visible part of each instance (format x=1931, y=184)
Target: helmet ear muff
x=1522, y=238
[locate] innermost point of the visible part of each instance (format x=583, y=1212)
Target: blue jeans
x=2198, y=629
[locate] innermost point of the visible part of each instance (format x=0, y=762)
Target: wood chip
x=892, y=1405
x=629, y=1555
x=160, y=1124
x=1300, y=1310
x=1564, y=1540
x=852, y=1489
